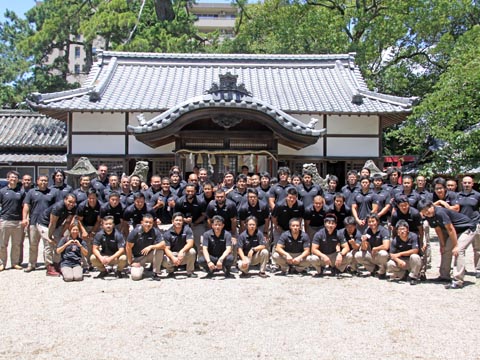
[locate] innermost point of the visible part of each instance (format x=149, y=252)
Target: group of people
x=287, y=224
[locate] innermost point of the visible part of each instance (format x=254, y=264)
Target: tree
x=447, y=122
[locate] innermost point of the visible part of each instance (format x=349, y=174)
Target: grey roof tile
x=291, y=83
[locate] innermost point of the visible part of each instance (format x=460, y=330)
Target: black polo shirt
x=412, y=217
x=365, y=202
x=228, y=211
x=134, y=216
x=165, y=212
x=11, y=201
x=58, y=209
x=306, y=195
x=328, y=242
x=279, y=192
x=349, y=193
x=341, y=214
x=175, y=241
x=246, y=241
x=62, y=191
x=237, y=197
x=316, y=218
x=141, y=239
x=117, y=212
x=80, y=195
x=469, y=203
x=217, y=244
x=284, y=213
x=89, y=214
x=292, y=245
x=38, y=202
x=357, y=236
x=260, y=211
x=109, y=243
x=443, y=217
x=397, y=245
x=72, y=255
x=193, y=209
x=376, y=239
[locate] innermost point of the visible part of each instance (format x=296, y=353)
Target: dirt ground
x=276, y=318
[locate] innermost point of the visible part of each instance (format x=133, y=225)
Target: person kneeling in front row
x=144, y=246
x=252, y=249
x=72, y=248
x=178, y=243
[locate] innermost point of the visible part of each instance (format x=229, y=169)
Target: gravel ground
x=277, y=318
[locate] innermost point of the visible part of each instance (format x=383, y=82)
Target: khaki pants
x=476, y=249
x=257, y=258
x=350, y=257
x=10, y=229
x=34, y=237
x=464, y=240
x=318, y=263
x=282, y=262
x=49, y=249
x=366, y=259
x=414, y=264
x=72, y=273
x=188, y=259
x=120, y=262
x=155, y=257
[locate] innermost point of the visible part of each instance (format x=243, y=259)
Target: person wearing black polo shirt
x=72, y=248
x=108, y=249
x=315, y=216
x=442, y=196
x=364, y=202
x=144, y=245
x=292, y=249
x=264, y=187
x=469, y=201
x=52, y=225
x=193, y=210
x=307, y=190
x=59, y=185
x=329, y=248
x=351, y=188
x=81, y=193
x=404, y=255
x=284, y=211
x=329, y=194
x=100, y=182
x=155, y=186
x=226, y=209
x=455, y=233
x=353, y=238
x=374, y=248
x=254, y=207
x=339, y=209
x=239, y=194
x=278, y=192
x=408, y=192
x=88, y=216
x=252, y=248
x=35, y=203
x=217, y=249
x=126, y=194
x=133, y=214
x=113, y=207
x=383, y=199
x=113, y=186
x=178, y=244
x=11, y=199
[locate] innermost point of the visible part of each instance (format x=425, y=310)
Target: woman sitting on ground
x=71, y=248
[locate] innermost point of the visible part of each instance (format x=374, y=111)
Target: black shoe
x=86, y=271
x=318, y=275
x=229, y=275
x=382, y=276
x=413, y=281
x=405, y=277
x=454, y=285
x=233, y=270
x=209, y=275
x=156, y=277
x=263, y=275
x=171, y=275
x=441, y=280
x=102, y=275
x=423, y=277
x=192, y=275
x=244, y=275
x=281, y=273
x=119, y=274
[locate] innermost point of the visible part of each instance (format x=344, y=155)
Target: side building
x=223, y=111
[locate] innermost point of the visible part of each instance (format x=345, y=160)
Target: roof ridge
x=397, y=100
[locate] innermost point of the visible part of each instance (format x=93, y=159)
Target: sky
x=22, y=6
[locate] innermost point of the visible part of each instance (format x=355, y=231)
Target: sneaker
x=229, y=275
x=318, y=275
x=17, y=267
x=192, y=275
x=51, y=271
x=423, y=277
x=29, y=269
x=171, y=275
x=413, y=281
x=454, y=285
x=119, y=274
x=209, y=275
x=156, y=277
x=281, y=273
x=382, y=276
x=263, y=275
x=234, y=270
x=102, y=275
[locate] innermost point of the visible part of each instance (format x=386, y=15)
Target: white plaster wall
x=312, y=150
x=96, y=121
x=132, y=120
x=98, y=144
x=137, y=147
x=352, y=147
x=361, y=125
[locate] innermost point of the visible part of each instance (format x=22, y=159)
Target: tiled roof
x=291, y=83
x=20, y=130
x=33, y=158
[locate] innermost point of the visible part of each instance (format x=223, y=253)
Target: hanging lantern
x=200, y=159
